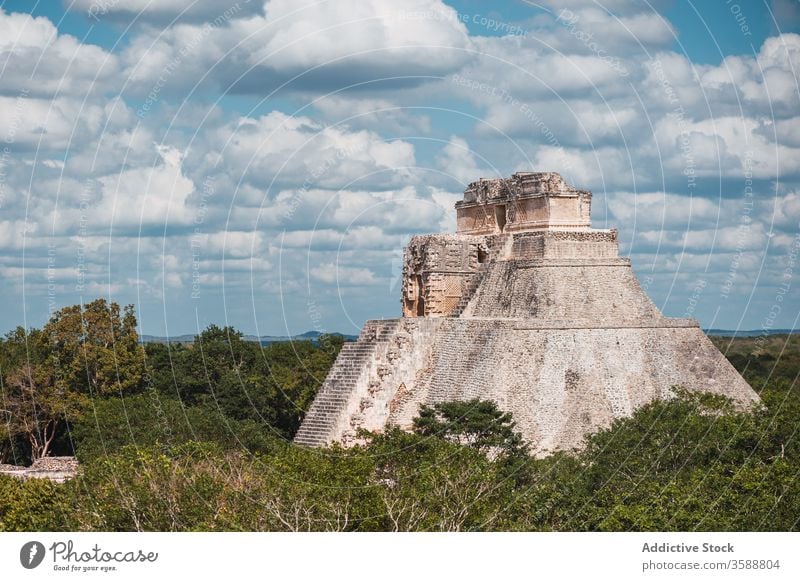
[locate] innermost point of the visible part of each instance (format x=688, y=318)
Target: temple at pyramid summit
x=526, y=305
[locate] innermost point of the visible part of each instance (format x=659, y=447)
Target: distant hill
x=264, y=339
x=749, y=333
x=314, y=336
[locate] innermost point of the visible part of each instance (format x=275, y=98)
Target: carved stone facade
x=440, y=270
x=525, y=305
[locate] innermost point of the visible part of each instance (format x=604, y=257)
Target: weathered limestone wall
x=525, y=213
x=541, y=212
x=561, y=384
x=561, y=381
x=478, y=220
x=589, y=290
x=570, y=212
x=560, y=244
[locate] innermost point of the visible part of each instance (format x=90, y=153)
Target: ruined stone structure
x=525, y=305
x=56, y=468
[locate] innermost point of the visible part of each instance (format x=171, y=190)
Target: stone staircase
x=325, y=417
x=499, y=249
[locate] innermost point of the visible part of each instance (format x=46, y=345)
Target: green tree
x=151, y=489
x=155, y=420
x=32, y=505
x=21, y=353
x=48, y=375
x=299, y=489
x=95, y=349
x=273, y=384
x=215, y=353
x=38, y=407
x=432, y=484
x=475, y=423
x=290, y=374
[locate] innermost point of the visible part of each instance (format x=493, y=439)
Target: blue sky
x=263, y=164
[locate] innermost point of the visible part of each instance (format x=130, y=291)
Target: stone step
x=310, y=424
x=334, y=400
x=330, y=396
x=338, y=394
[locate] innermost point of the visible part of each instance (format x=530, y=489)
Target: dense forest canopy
x=197, y=437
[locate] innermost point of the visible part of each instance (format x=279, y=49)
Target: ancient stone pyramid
x=528, y=306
